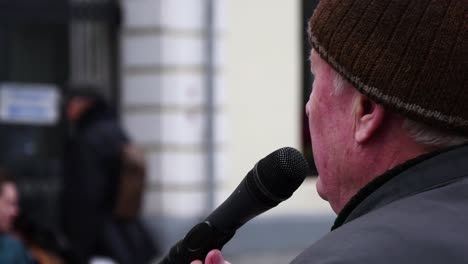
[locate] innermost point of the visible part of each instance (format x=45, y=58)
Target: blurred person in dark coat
x=91, y=181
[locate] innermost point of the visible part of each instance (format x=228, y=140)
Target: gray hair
x=419, y=132
x=430, y=136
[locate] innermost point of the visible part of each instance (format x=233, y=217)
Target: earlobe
x=368, y=118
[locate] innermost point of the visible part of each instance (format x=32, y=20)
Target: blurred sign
x=31, y=104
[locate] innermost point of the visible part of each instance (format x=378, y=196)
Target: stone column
x=164, y=106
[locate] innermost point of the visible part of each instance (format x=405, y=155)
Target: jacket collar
x=417, y=175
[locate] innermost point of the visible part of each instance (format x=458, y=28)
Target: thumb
x=215, y=257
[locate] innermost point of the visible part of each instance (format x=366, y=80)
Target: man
x=388, y=119
x=11, y=249
x=90, y=173
x=97, y=219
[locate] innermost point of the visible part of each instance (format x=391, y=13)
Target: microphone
x=272, y=180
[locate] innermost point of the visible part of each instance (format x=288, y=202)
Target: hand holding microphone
x=272, y=180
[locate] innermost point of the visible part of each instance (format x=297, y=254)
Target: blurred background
x=205, y=87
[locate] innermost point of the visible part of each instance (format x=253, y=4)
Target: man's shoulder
x=104, y=126
x=104, y=132
x=362, y=241
x=13, y=250
x=424, y=228
x=351, y=243
x=10, y=241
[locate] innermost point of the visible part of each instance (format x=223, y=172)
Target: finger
x=196, y=262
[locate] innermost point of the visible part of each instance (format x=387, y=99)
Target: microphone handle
x=200, y=240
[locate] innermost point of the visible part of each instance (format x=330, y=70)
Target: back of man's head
x=409, y=56
x=81, y=98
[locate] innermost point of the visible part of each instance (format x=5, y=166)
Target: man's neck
x=375, y=158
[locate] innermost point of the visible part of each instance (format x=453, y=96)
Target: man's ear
x=368, y=118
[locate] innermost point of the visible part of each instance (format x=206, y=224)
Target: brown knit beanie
x=408, y=55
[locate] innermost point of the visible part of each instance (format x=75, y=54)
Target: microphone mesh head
x=282, y=172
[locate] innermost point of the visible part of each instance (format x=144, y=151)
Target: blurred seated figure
x=12, y=249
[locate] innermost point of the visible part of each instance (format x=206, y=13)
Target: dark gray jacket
x=414, y=213
x=91, y=172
